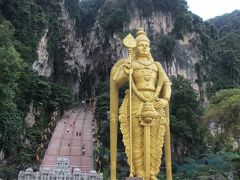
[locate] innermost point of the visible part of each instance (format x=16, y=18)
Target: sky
x=207, y=9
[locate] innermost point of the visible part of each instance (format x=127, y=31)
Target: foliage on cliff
x=84, y=13
x=186, y=126
x=223, y=117
x=28, y=20
x=221, y=64
x=21, y=25
x=11, y=66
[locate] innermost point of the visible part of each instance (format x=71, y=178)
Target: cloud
x=210, y=8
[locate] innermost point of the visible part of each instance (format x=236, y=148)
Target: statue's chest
x=144, y=72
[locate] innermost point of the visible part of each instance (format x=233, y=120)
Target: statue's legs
x=157, y=140
x=137, y=132
x=138, y=155
x=137, y=138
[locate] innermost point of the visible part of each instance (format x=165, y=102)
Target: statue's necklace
x=145, y=63
x=147, y=71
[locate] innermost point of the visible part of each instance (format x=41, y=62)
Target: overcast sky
x=210, y=8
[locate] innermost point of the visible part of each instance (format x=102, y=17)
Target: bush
x=114, y=16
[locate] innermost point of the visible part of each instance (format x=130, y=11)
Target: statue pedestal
x=134, y=178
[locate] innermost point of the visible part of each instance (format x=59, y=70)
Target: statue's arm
x=119, y=73
x=166, y=90
x=166, y=86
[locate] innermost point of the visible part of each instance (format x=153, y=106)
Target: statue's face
x=142, y=49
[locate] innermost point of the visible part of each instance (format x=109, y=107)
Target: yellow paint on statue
x=144, y=113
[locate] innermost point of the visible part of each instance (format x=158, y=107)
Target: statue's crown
x=141, y=35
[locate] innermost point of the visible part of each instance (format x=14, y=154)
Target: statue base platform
x=134, y=178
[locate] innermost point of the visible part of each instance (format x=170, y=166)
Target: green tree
x=10, y=69
x=220, y=44
x=186, y=127
x=84, y=12
x=41, y=92
x=182, y=25
x=28, y=20
x=223, y=118
x=114, y=16
x=225, y=64
x=166, y=46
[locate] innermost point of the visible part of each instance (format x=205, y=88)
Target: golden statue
x=144, y=113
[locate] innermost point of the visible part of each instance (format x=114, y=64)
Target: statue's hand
x=161, y=103
x=130, y=52
x=127, y=67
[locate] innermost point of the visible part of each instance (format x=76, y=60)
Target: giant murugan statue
x=144, y=113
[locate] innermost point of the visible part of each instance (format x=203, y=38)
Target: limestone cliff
x=86, y=58
x=42, y=65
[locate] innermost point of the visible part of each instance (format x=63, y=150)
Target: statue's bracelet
x=158, y=99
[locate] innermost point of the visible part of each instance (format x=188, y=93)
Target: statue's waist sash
x=137, y=104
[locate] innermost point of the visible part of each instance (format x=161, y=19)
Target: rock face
x=30, y=118
x=42, y=65
x=73, y=61
x=85, y=60
x=157, y=23
x=186, y=55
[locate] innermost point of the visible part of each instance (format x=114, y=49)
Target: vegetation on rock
x=21, y=25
